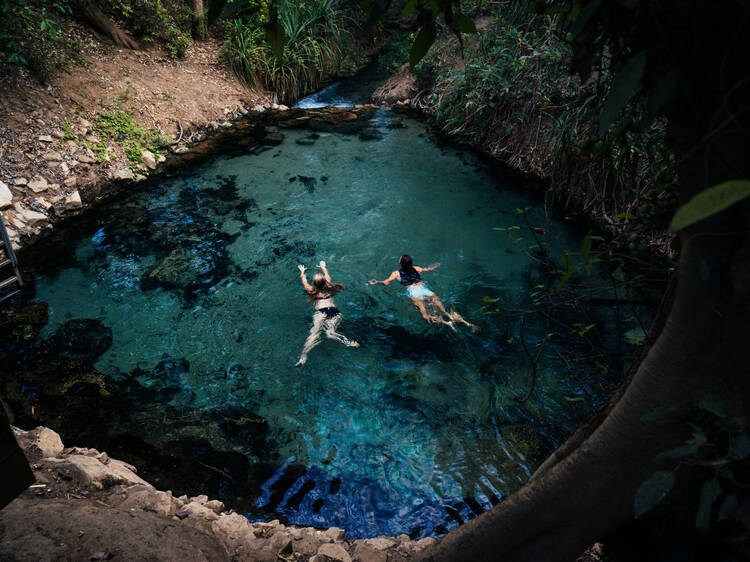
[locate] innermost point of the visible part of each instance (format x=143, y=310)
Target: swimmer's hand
x=322, y=265
x=433, y=266
x=301, y=268
x=372, y=282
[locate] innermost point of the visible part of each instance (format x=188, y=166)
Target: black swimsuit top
x=323, y=298
x=409, y=278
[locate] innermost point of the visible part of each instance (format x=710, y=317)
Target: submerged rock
x=178, y=270
x=83, y=336
x=22, y=323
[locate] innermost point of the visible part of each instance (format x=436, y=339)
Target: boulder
x=20, y=182
x=45, y=138
x=6, y=197
x=335, y=533
x=40, y=442
x=381, y=543
x=98, y=475
x=146, y=498
x=273, y=139
x=83, y=336
x=70, y=182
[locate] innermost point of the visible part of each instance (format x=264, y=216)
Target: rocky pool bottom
x=227, y=451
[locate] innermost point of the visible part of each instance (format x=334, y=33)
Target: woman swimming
x=421, y=296
x=326, y=316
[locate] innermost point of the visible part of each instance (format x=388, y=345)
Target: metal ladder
x=12, y=285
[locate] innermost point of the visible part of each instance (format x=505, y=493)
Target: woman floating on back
x=326, y=316
x=421, y=296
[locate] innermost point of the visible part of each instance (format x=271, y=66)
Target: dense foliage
x=313, y=31
x=512, y=92
x=33, y=33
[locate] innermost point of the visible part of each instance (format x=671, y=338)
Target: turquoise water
x=414, y=431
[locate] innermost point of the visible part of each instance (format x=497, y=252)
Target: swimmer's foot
x=302, y=361
x=353, y=344
x=451, y=325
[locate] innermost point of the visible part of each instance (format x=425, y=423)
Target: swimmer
x=326, y=316
x=420, y=295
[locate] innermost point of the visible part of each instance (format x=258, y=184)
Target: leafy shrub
x=120, y=127
x=32, y=37
x=168, y=21
x=314, y=33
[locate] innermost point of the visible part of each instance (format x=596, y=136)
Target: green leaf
x=652, y=491
x=275, y=36
x=716, y=406
x=586, y=247
x=709, y=492
x=728, y=506
x=709, y=202
x=464, y=23
x=583, y=17
x=422, y=43
x=666, y=457
x=659, y=412
x=739, y=446
x=624, y=86
x=636, y=336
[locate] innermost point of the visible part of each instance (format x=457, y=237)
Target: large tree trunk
x=101, y=22
x=586, y=490
x=199, y=21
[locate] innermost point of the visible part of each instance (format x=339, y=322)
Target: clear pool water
x=413, y=432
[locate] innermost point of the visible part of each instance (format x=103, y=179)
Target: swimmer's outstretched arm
x=432, y=267
x=303, y=278
x=322, y=267
x=393, y=276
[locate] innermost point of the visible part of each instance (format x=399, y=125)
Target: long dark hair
x=406, y=264
x=320, y=285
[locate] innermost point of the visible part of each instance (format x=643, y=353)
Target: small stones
x=64, y=168
x=38, y=184
x=20, y=182
x=28, y=216
x=52, y=156
x=45, y=138
x=226, y=125
x=122, y=174
x=73, y=201
x=72, y=181
x=6, y=197
x=149, y=159
x=85, y=159
x=335, y=533
x=259, y=108
x=331, y=552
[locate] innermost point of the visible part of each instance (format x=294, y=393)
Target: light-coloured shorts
x=418, y=291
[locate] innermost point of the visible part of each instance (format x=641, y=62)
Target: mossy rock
x=22, y=323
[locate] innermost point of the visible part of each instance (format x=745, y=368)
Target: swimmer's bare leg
x=432, y=319
x=332, y=334
x=435, y=301
x=313, y=339
x=456, y=317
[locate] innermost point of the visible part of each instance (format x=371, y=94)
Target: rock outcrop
x=86, y=505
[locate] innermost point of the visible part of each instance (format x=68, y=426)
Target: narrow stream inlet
x=413, y=432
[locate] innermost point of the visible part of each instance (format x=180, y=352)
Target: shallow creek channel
x=176, y=316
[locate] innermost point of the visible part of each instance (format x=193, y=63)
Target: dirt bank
x=97, y=122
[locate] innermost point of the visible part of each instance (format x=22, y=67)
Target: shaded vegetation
x=314, y=32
